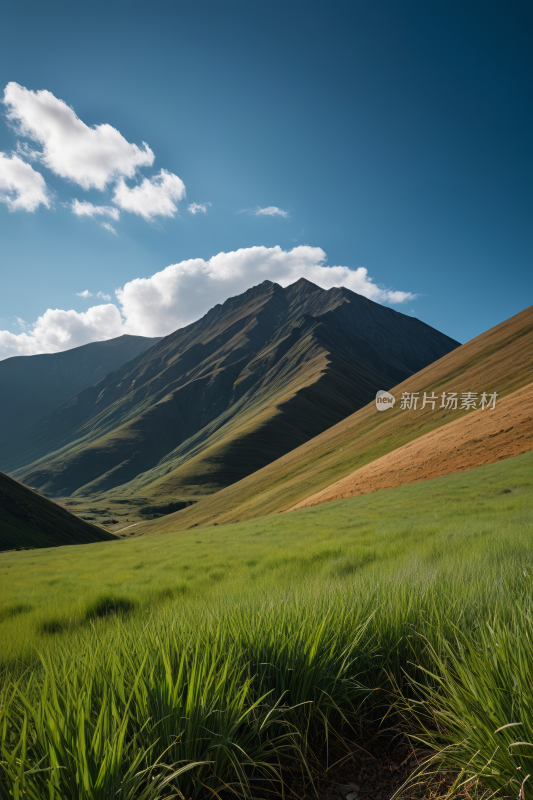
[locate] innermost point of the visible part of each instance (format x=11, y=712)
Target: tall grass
x=244, y=691
x=477, y=710
x=230, y=692
x=229, y=698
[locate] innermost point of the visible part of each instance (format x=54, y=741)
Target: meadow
x=225, y=661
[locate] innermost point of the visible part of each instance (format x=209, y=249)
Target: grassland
x=230, y=651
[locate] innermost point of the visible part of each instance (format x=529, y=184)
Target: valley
x=229, y=540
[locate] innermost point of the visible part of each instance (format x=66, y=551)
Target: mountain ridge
x=32, y=386
x=257, y=361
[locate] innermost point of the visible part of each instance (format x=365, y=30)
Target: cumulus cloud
x=197, y=208
x=154, y=197
x=21, y=187
x=89, y=156
x=270, y=211
x=109, y=228
x=59, y=330
x=84, y=209
x=183, y=292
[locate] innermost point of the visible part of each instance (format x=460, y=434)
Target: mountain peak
x=303, y=283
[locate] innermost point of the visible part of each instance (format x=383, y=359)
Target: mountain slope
x=219, y=399
x=31, y=386
x=29, y=520
x=481, y=437
x=500, y=359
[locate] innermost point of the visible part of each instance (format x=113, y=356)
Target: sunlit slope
x=29, y=520
x=255, y=377
x=31, y=386
x=313, y=382
x=500, y=360
x=481, y=437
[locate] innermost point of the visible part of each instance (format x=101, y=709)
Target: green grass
x=241, y=646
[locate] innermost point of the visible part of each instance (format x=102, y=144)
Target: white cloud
x=85, y=209
x=154, y=197
x=21, y=187
x=91, y=157
x=183, y=292
x=86, y=294
x=270, y=211
x=109, y=227
x=60, y=330
x=197, y=208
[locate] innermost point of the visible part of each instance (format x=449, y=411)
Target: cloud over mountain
x=183, y=292
x=58, y=330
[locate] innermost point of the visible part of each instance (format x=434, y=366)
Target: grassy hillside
x=391, y=529
x=31, y=386
x=29, y=520
x=219, y=399
x=482, y=437
x=242, y=645
x=499, y=360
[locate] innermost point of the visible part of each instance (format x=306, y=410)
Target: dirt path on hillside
x=481, y=437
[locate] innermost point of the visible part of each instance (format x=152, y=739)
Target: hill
x=499, y=360
x=29, y=520
x=31, y=386
x=216, y=401
x=482, y=437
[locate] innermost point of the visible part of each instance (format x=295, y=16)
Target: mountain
x=499, y=360
x=31, y=386
x=221, y=398
x=29, y=520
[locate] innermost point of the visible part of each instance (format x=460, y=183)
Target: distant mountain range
x=219, y=399
x=31, y=386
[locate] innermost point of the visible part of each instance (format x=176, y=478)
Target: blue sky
x=394, y=137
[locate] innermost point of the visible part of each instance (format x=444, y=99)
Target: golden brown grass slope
x=499, y=360
x=29, y=520
x=482, y=437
